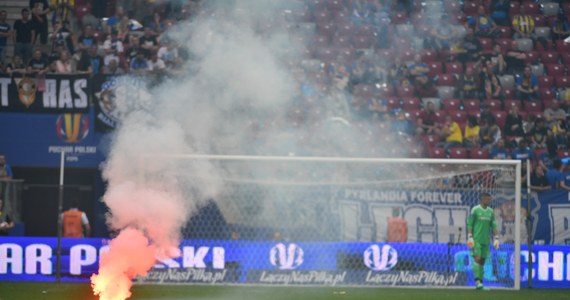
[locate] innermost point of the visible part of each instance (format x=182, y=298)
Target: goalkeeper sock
x=476, y=271
x=481, y=272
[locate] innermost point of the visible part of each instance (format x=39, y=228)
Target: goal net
x=343, y=221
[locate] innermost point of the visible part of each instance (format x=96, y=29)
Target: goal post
x=361, y=221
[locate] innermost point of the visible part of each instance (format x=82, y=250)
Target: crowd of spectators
x=60, y=36
x=433, y=78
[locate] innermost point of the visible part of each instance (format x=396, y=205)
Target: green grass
x=48, y=291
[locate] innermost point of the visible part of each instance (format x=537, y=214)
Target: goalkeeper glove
x=496, y=242
x=470, y=242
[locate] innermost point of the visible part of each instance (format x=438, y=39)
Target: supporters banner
x=115, y=96
x=54, y=93
x=293, y=263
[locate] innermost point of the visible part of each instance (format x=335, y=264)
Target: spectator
x=62, y=37
x=451, y=133
x=91, y=63
x=554, y=114
x=514, y=123
x=113, y=48
x=426, y=124
x=490, y=85
x=157, y=25
x=560, y=28
x=90, y=20
x=23, y=36
x=398, y=73
x=401, y=125
x=468, y=50
x=538, y=180
x=17, y=66
x=538, y=134
x=113, y=68
x=559, y=139
x=87, y=39
x=63, y=10
x=498, y=60
x=515, y=59
x=156, y=65
x=113, y=21
x=139, y=65
x=40, y=9
x=554, y=175
x=148, y=42
x=522, y=152
x=442, y=35
x=499, y=151
x=133, y=49
x=6, y=222
x=5, y=169
x=484, y=24
x=5, y=33
x=489, y=132
x=466, y=85
x=500, y=12
x=63, y=65
x=523, y=26
x=361, y=12
x=75, y=222
x=124, y=29
x=527, y=85
x=471, y=139
x=377, y=108
x=38, y=65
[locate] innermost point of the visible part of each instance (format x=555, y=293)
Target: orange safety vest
x=72, y=226
x=397, y=230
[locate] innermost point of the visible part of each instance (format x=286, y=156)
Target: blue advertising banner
x=293, y=263
x=550, y=212
x=37, y=140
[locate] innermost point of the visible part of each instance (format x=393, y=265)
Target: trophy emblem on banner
x=26, y=90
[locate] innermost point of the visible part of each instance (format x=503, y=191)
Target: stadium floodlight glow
x=365, y=221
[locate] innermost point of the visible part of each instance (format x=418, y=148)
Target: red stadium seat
x=547, y=93
x=532, y=57
x=327, y=29
x=472, y=106
x=500, y=118
x=429, y=56
x=562, y=81
x=533, y=106
x=457, y=153
x=453, y=68
x=545, y=82
x=539, y=20
x=512, y=102
x=530, y=8
x=451, y=6
x=549, y=57
x=565, y=57
x=440, y=116
x=437, y=152
x=486, y=44
x=540, y=48
x=363, y=90
x=362, y=42
x=506, y=31
x=411, y=103
x=445, y=80
x=430, y=141
x=341, y=41
x=536, y=114
x=470, y=7
x=514, y=8
x=406, y=91
x=346, y=30
x=435, y=68
x=555, y=70
x=506, y=43
x=458, y=116
x=393, y=103
x=479, y=153
x=493, y=104
x=562, y=46
x=509, y=93
x=415, y=114
x=451, y=104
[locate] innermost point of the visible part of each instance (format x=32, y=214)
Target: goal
x=345, y=221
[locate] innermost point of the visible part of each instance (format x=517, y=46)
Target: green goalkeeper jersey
x=480, y=223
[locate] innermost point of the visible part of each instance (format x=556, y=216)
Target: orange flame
x=129, y=255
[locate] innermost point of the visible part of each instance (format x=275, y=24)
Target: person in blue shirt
x=554, y=175
x=5, y=169
x=498, y=151
x=522, y=152
x=527, y=85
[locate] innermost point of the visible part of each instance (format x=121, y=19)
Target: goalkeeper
x=479, y=225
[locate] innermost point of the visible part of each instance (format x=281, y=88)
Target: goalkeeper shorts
x=481, y=250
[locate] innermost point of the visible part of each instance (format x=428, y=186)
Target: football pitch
x=9, y=291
